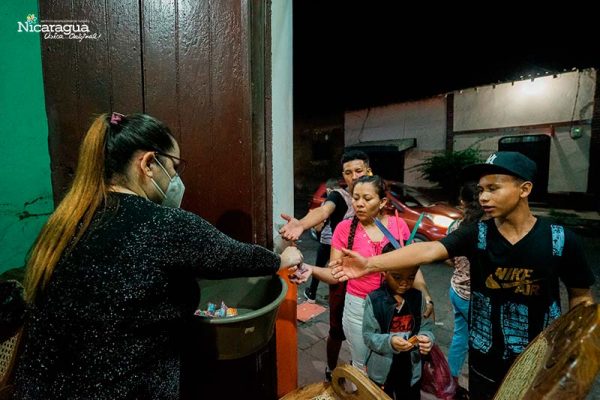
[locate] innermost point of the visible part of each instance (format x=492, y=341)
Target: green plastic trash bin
x=257, y=300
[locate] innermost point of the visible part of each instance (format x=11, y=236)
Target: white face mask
x=174, y=195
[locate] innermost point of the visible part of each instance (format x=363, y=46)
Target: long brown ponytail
x=104, y=155
x=88, y=191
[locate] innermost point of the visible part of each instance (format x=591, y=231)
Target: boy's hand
x=301, y=273
x=400, y=344
x=292, y=230
x=425, y=344
x=351, y=265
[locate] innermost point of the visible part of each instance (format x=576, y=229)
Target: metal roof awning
x=395, y=145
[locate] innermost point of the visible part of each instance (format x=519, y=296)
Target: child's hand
x=300, y=274
x=400, y=344
x=425, y=344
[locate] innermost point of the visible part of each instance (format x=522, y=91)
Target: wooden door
x=199, y=66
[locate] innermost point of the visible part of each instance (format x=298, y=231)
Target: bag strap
x=558, y=240
x=415, y=228
x=398, y=227
x=481, y=235
x=387, y=233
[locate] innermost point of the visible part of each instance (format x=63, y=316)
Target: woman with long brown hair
x=111, y=277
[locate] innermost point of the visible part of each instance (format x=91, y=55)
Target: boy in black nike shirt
x=516, y=261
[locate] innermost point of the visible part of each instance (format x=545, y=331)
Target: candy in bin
x=231, y=312
x=211, y=308
x=220, y=313
x=214, y=312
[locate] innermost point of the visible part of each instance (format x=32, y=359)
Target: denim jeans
x=354, y=309
x=460, y=339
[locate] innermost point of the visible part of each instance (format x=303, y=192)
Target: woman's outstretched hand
x=351, y=265
x=290, y=257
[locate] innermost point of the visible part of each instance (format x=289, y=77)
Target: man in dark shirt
x=336, y=207
x=355, y=164
x=516, y=261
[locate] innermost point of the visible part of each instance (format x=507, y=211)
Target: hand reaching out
x=292, y=230
x=351, y=265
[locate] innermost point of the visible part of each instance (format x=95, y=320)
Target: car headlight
x=440, y=220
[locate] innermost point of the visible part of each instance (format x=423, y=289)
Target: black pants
x=482, y=387
x=403, y=393
x=397, y=384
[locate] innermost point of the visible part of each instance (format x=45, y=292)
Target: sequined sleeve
x=211, y=253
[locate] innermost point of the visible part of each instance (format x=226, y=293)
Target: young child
x=396, y=335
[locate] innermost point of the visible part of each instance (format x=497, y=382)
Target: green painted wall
x=25, y=188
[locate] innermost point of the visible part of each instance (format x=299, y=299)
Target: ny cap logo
x=491, y=158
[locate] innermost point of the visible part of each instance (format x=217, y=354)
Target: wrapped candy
x=213, y=312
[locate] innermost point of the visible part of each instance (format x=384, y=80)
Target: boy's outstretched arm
x=295, y=227
x=353, y=265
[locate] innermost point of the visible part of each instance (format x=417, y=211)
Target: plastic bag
x=436, y=378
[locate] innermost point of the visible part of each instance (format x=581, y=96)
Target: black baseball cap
x=505, y=163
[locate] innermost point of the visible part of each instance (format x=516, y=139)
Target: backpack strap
x=481, y=235
x=387, y=233
x=558, y=239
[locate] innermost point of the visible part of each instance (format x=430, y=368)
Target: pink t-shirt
x=364, y=285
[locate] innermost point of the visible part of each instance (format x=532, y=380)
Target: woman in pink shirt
x=362, y=235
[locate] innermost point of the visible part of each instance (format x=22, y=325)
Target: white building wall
x=282, y=112
x=424, y=120
x=544, y=101
x=569, y=158
x=569, y=161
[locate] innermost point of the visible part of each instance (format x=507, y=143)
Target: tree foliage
x=444, y=169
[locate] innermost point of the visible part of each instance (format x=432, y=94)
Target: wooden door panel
x=188, y=63
x=124, y=55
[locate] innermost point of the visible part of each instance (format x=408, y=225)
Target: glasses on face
x=178, y=163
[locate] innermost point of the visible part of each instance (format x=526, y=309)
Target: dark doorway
x=537, y=148
x=386, y=156
x=388, y=164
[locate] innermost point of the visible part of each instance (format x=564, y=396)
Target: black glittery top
x=108, y=324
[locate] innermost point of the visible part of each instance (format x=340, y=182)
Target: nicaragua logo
x=61, y=29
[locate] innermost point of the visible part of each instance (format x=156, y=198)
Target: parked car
x=410, y=203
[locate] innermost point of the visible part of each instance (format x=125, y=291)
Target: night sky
x=350, y=56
